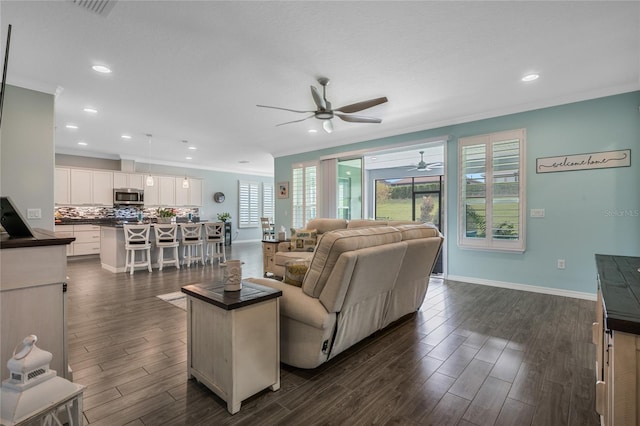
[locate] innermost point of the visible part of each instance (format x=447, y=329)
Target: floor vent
x=99, y=7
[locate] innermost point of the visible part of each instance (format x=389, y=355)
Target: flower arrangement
x=224, y=216
x=165, y=212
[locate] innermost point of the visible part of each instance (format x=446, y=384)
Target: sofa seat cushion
x=332, y=244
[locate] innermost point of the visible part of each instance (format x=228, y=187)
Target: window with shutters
x=492, y=191
x=303, y=194
x=267, y=200
x=249, y=199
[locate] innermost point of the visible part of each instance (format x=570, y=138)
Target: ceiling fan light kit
x=325, y=113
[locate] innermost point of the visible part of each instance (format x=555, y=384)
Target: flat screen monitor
x=12, y=221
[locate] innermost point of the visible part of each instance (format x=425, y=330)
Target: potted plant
x=165, y=215
x=224, y=216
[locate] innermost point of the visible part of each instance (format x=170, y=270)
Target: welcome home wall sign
x=593, y=160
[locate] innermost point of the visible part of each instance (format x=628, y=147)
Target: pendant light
x=149, y=177
x=185, y=182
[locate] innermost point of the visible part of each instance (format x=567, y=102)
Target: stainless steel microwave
x=128, y=197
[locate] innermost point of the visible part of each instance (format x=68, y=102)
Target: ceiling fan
x=423, y=166
x=326, y=113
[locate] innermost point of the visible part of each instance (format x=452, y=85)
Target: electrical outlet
x=561, y=264
x=34, y=214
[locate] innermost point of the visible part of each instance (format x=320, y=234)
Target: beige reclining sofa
x=359, y=281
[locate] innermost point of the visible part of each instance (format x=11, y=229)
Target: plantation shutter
x=248, y=196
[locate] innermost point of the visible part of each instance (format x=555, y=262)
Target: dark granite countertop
x=112, y=222
x=40, y=238
x=619, y=282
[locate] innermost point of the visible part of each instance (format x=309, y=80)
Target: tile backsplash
x=117, y=212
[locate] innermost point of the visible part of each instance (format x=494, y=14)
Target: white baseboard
x=524, y=287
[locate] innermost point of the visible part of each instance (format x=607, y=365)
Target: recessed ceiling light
x=82, y=143
x=90, y=110
x=188, y=158
x=312, y=131
x=531, y=77
x=193, y=148
x=71, y=126
x=101, y=69
x=374, y=158
x=126, y=136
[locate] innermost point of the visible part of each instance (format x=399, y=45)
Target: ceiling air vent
x=99, y=7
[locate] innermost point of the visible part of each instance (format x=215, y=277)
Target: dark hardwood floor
x=472, y=355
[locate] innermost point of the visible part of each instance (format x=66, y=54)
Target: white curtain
x=328, y=191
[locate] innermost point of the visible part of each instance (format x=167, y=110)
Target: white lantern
x=33, y=391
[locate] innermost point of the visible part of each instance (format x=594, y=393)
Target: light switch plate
x=34, y=214
x=537, y=213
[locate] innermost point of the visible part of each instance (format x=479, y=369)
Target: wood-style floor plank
x=472, y=355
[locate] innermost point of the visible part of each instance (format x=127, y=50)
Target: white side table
x=233, y=340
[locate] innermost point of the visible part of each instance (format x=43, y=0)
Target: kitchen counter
x=40, y=238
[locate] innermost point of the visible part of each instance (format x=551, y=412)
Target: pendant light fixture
x=185, y=182
x=149, y=177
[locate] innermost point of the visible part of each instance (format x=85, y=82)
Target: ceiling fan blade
x=318, y=99
x=327, y=125
x=359, y=118
x=295, y=121
x=359, y=106
x=284, y=109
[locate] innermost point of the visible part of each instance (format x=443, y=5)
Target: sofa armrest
x=296, y=305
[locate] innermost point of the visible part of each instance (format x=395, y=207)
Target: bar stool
x=214, y=237
x=191, y=242
x=167, y=238
x=137, y=239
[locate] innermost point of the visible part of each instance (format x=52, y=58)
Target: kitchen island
x=112, y=247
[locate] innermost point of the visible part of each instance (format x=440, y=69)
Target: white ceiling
x=195, y=70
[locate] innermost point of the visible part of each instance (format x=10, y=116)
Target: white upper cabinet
x=189, y=197
x=167, y=190
x=151, y=197
x=128, y=180
x=102, y=188
x=81, y=187
x=195, y=192
x=62, y=195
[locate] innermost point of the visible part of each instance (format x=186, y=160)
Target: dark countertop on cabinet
x=41, y=237
x=619, y=282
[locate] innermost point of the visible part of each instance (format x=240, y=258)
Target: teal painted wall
x=586, y=212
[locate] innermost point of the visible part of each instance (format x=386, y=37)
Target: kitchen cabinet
x=151, y=193
x=167, y=191
x=128, y=180
x=195, y=193
x=189, y=197
x=616, y=334
x=62, y=182
x=182, y=194
x=81, y=187
x=87, y=238
x=65, y=231
x=33, y=297
x=102, y=188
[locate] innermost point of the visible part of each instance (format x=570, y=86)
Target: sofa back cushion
x=325, y=225
x=417, y=230
x=365, y=223
x=332, y=244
